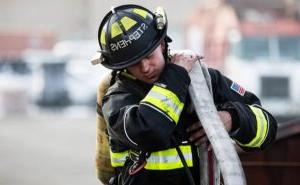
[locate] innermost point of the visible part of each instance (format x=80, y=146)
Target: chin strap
x=186, y=168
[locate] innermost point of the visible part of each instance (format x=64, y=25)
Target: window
x=289, y=48
x=268, y=48
x=251, y=48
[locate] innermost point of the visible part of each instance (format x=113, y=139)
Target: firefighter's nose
x=144, y=65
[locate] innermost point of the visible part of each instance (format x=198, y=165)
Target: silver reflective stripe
x=168, y=159
x=118, y=160
x=160, y=160
x=166, y=100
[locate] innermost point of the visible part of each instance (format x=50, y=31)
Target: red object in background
x=278, y=27
x=12, y=44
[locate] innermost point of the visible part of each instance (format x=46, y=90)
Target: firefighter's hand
x=226, y=120
x=185, y=59
x=197, y=134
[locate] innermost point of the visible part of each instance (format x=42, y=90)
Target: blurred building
x=45, y=47
x=208, y=28
x=70, y=19
x=213, y=24
x=255, y=43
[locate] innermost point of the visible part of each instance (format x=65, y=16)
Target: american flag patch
x=237, y=88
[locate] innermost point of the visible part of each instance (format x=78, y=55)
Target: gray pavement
x=50, y=149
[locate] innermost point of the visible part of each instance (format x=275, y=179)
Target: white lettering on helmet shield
x=123, y=44
x=131, y=37
x=134, y=36
x=113, y=47
x=144, y=26
x=137, y=35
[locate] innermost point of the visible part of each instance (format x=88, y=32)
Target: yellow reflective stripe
x=140, y=12
x=115, y=30
x=166, y=101
x=102, y=38
x=168, y=94
x=167, y=107
x=169, y=159
x=118, y=158
x=127, y=22
x=160, y=160
x=261, y=127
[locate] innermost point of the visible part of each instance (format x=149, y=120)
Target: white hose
x=226, y=155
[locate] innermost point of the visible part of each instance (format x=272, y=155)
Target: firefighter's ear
x=163, y=45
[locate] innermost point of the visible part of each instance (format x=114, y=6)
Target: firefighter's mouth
x=150, y=76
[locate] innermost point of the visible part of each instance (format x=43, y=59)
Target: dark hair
x=166, y=51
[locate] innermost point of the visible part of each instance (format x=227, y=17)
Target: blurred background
x=48, y=85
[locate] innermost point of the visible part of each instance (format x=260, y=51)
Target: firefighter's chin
x=150, y=79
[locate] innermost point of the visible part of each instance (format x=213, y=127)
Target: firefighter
x=148, y=109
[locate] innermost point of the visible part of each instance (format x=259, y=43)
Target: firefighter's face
x=149, y=69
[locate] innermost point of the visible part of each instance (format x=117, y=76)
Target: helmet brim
x=134, y=61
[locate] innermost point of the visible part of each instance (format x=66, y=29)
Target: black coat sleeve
x=147, y=124
x=254, y=128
